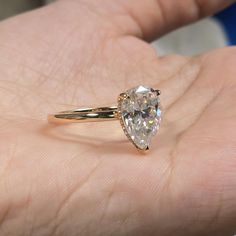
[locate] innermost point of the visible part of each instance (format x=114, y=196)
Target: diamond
x=140, y=115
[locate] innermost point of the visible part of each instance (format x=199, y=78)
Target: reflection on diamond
x=141, y=115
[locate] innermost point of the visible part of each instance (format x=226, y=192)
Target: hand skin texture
x=87, y=179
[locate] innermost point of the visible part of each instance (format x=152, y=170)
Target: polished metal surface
x=84, y=115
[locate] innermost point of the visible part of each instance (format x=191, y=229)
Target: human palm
x=87, y=179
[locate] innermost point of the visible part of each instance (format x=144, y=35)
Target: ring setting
x=138, y=110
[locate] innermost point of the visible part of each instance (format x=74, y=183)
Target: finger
x=153, y=18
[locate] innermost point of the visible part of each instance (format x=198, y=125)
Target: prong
x=158, y=92
x=143, y=151
x=123, y=96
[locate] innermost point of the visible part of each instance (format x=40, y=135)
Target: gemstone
x=140, y=115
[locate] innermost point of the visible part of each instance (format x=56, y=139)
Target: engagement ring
x=138, y=111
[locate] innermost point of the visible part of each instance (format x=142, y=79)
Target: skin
x=87, y=179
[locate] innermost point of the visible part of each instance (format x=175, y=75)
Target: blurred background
x=215, y=32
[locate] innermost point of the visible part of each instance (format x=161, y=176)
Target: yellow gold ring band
x=85, y=115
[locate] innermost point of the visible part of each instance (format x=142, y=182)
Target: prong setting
x=123, y=96
x=137, y=117
x=158, y=92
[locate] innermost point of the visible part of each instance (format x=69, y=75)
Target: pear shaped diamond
x=140, y=115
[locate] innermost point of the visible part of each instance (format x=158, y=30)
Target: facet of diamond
x=140, y=115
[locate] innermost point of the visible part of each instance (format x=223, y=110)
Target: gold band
x=85, y=115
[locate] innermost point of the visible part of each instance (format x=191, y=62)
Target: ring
x=138, y=110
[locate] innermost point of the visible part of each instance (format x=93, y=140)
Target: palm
x=84, y=177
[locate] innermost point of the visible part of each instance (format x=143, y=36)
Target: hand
x=87, y=179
